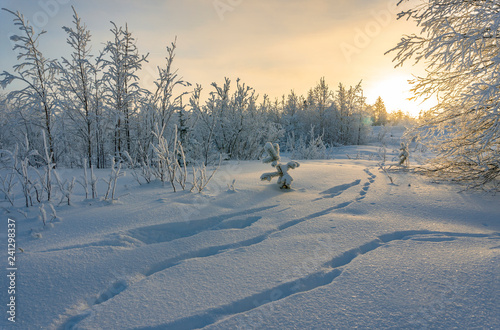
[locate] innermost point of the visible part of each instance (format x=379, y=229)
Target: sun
x=395, y=92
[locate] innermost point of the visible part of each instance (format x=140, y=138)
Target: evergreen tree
x=379, y=112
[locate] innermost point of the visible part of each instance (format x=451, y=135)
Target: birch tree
x=77, y=84
x=38, y=74
x=121, y=83
x=165, y=102
x=164, y=99
x=350, y=104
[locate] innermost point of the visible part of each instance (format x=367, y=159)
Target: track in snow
x=172, y=231
x=330, y=271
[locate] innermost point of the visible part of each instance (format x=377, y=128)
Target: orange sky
x=273, y=46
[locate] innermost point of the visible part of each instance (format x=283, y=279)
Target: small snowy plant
x=404, y=155
x=284, y=179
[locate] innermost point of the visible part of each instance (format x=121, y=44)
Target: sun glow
x=395, y=92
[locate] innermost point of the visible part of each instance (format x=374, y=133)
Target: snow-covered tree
x=163, y=107
x=379, y=112
x=38, y=98
x=322, y=113
x=232, y=124
x=79, y=86
x=292, y=108
x=121, y=83
x=459, y=45
x=273, y=157
x=404, y=154
x=351, y=105
x=164, y=98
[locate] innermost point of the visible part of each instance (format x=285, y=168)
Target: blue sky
x=274, y=46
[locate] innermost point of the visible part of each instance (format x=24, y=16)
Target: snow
x=344, y=248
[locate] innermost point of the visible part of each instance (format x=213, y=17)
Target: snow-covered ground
x=344, y=249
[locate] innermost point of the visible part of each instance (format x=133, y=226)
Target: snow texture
x=344, y=249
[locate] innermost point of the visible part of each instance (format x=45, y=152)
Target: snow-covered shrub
x=84, y=182
x=43, y=214
x=170, y=161
x=273, y=157
x=113, y=178
x=314, y=148
x=231, y=187
x=27, y=184
x=93, y=182
x=200, y=177
x=404, y=155
x=162, y=156
x=65, y=187
x=18, y=163
x=182, y=173
x=382, y=153
x=45, y=177
x=232, y=124
x=141, y=169
x=7, y=184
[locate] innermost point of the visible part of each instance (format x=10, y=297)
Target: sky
x=273, y=46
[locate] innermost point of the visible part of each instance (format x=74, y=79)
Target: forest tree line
x=91, y=107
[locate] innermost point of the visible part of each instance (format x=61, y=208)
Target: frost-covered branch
x=37, y=73
x=200, y=178
x=459, y=45
x=114, y=175
x=65, y=187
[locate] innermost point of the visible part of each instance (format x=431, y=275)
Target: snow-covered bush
x=86, y=181
x=170, y=161
x=43, y=214
x=112, y=180
x=65, y=187
x=200, y=177
x=45, y=177
x=231, y=124
x=7, y=180
x=404, y=155
x=273, y=157
x=314, y=148
x=18, y=163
